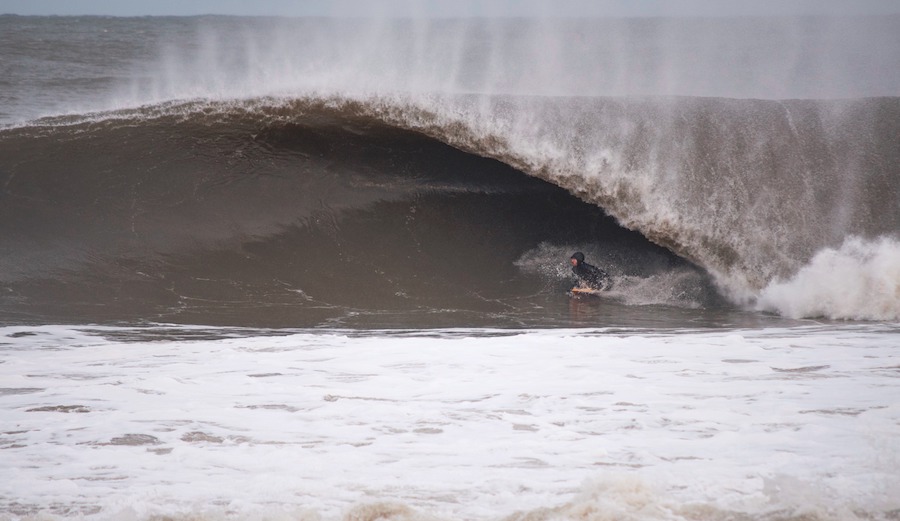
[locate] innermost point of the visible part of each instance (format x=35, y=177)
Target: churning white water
x=187, y=422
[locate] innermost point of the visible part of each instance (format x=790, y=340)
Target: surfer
x=588, y=276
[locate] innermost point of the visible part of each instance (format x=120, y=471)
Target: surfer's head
x=577, y=258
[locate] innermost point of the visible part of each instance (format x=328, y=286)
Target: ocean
x=309, y=268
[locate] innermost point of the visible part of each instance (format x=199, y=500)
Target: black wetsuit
x=591, y=276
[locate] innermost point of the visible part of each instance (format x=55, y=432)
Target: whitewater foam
x=141, y=423
x=860, y=280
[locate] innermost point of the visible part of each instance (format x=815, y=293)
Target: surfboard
x=586, y=291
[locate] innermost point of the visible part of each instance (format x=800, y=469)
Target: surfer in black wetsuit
x=587, y=275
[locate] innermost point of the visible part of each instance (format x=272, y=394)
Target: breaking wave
x=348, y=202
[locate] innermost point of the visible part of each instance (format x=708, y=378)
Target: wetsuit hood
x=578, y=256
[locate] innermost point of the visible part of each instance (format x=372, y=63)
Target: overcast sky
x=616, y=8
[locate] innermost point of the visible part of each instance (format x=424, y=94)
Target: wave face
x=282, y=168
x=297, y=214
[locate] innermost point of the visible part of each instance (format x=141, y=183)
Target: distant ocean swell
x=264, y=199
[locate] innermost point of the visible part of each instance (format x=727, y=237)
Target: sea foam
x=144, y=423
x=860, y=280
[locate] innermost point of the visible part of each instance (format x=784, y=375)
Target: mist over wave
x=762, y=58
x=78, y=64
